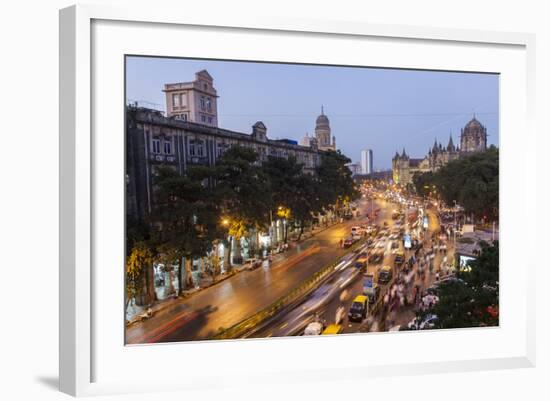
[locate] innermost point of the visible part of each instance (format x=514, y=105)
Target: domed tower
x=473, y=137
x=322, y=132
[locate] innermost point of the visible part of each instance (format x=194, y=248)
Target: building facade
x=355, y=168
x=305, y=140
x=153, y=140
x=473, y=138
x=194, y=101
x=367, y=161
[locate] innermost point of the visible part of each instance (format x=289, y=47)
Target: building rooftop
x=150, y=116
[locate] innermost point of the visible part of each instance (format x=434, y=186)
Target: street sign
x=369, y=281
x=407, y=241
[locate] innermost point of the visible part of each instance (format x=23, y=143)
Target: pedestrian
x=437, y=276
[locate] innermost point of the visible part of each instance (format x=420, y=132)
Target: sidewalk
x=208, y=280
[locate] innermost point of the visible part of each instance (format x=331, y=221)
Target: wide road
x=342, y=287
x=202, y=315
x=327, y=298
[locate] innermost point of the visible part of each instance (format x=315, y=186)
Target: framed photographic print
x=289, y=200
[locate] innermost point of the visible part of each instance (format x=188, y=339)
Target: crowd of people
x=413, y=277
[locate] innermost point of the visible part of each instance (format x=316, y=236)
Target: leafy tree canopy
x=473, y=300
x=471, y=181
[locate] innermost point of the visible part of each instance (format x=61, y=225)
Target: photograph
x=271, y=199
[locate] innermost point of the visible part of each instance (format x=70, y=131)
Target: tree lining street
x=201, y=315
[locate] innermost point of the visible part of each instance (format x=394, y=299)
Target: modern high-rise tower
x=366, y=161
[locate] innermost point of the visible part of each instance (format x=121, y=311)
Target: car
x=333, y=329
x=428, y=322
x=361, y=262
x=252, y=263
x=449, y=279
x=348, y=242
x=358, y=309
x=373, y=293
x=399, y=258
x=314, y=329
x=385, y=275
x=376, y=256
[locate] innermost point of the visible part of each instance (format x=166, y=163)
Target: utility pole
x=271, y=229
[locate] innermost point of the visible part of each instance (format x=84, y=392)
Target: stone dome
x=322, y=120
x=473, y=124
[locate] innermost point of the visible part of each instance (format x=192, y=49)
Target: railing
x=241, y=328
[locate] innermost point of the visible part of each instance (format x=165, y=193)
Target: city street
x=340, y=290
x=202, y=315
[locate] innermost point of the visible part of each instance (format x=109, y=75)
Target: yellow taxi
x=333, y=329
x=358, y=310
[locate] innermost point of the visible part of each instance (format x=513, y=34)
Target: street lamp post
x=270, y=228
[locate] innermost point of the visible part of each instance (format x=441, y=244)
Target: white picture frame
x=85, y=354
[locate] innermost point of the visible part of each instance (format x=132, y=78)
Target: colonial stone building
x=322, y=133
x=473, y=138
x=153, y=140
x=194, y=101
x=189, y=135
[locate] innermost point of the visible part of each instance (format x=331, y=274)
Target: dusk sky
x=368, y=108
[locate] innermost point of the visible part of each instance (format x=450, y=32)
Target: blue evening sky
x=381, y=109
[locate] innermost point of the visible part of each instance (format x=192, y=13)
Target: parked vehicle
x=428, y=322
x=146, y=314
x=252, y=263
